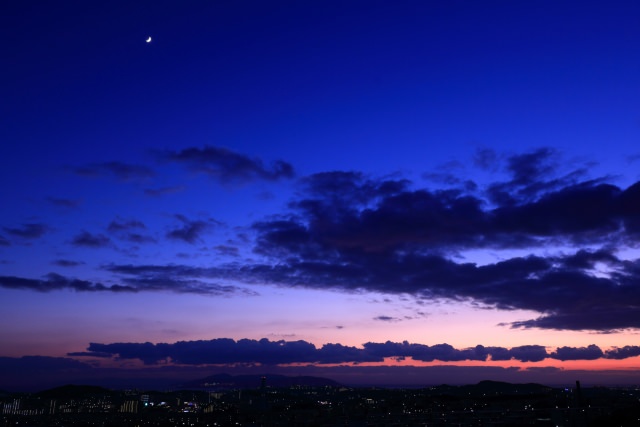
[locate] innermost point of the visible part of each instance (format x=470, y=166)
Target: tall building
x=129, y=406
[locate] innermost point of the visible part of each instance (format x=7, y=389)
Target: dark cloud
x=570, y=298
x=350, y=232
x=623, y=352
x=176, y=278
x=184, y=286
x=533, y=175
x=633, y=158
x=118, y=170
x=228, y=351
x=119, y=225
x=530, y=168
x=630, y=211
x=157, y=192
x=67, y=263
x=89, y=240
x=148, y=283
x=347, y=189
x=591, y=352
x=191, y=359
x=55, y=282
x=450, y=175
x=347, y=231
x=90, y=354
x=170, y=270
x=217, y=351
x=486, y=159
x=27, y=231
x=227, y=250
x=227, y=166
x=609, y=314
x=64, y=203
x=386, y=318
x=138, y=238
x=264, y=351
x=4, y=241
x=529, y=176
x=190, y=231
x=583, y=212
x=451, y=180
x=128, y=230
x=529, y=353
x=447, y=353
x=561, y=287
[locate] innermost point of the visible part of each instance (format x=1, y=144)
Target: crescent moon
x=149, y=40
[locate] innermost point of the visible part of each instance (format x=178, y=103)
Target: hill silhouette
x=73, y=391
x=499, y=387
x=227, y=381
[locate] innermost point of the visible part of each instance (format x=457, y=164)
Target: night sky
x=370, y=191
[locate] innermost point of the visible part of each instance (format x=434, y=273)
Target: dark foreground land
x=485, y=404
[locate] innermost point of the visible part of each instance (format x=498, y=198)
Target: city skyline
x=350, y=189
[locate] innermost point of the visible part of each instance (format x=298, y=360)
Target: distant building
x=129, y=406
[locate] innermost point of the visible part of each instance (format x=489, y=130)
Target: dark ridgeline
x=226, y=381
x=312, y=401
x=71, y=391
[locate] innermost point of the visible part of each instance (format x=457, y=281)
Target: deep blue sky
x=343, y=172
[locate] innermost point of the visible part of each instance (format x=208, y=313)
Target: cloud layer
x=27, y=231
x=346, y=231
x=558, y=235
x=226, y=166
x=56, y=282
x=266, y=352
x=351, y=232
x=119, y=170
